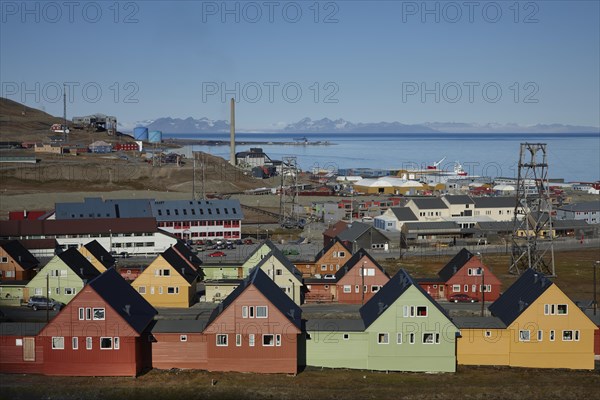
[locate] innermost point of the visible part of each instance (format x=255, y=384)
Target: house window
x=251, y=312
x=374, y=288
x=173, y=290
x=88, y=343
x=411, y=338
x=58, y=343
x=99, y=314
x=142, y=290
x=261, y=312
x=524, y=336
x=567, y=336
x=383, y=338
x=399, y=338
x=488, y=333
x=356, y=288
x=238, y=340
x=278, y=340
x=323, y=267
x=341, y=254
x=421, y=311
x=268, y=340
x=346, y=336
x=160, y=290
x=70, y=291
x=88, y=313
x=428, y=338
x=455, y=288
x=251, y=340
x=183, y=338
x=561, y=309
x=162, y=272
x=81, y=314
x=3, y=260
x=106, y=343
x=38, y=291
x=221, y=340
x=466, y=288
x=552, y=336
x=278, y=272
x=347, y=289
x=244, y=311
x=75, y=343
x=540, y=335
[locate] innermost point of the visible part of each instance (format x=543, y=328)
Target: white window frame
x=346, y=336
x=540, y=335
x=251, y=340
x=558, y=306
x=266, y=309
x=455, y=288
x=411, y=338
x=347, y=289
x=223, y=343
x=466, y=287
x=266, y=335
x=89, y=343
x=524, y=337
x=172, y=289
x=142, y=290
x=103, y=338
x=183, y=338
x=383, y=338
x=88, y=314
x=81, y=313
x=238, y=340
x=98, y=309
x=278, y=340
x=58, y=342
x=244, y=311
x=116, y=343
x=426, y=335
x=417, y=312
x=70, y=291
x=75, y=343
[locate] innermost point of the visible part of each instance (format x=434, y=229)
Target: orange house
x=359, y=279
x=16, y=262
x=328, y=261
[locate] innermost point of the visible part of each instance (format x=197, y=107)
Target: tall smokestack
x=232, y=133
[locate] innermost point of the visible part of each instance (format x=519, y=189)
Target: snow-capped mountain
x=326, y=125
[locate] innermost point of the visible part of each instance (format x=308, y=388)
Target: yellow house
x=283, y=273
x=545, y=328
x=97, y=255
x=168, y=281
x=482, y=341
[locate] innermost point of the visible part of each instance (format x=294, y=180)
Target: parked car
x=462, y=298
x=217, y=254
x=247, y=241
x=42, y=303
x=239, y=242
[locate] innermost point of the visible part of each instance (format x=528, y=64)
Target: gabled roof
x=353, y=261
x=187, y=253
x=124, y=299
x=335, y=229
x=455, y=264
x=179, y=265
x=79, y=264
x=520, y=295
x=354, y=231
x=95, y=207
x=497, y=226
x=269, y=289
x=329, y=246
x=495, y=202
x=20, y=254
x=275, y=252
x=582, y=207
x=388, y=294
x=404, y=214
x=459, y=199
x=100, y=253
x=429, y=203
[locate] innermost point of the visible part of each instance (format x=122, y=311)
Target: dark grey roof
x=404, y=214
x=179, y=326
x=100, y=253
x=429, y=203
x=388, y=294
x=269, y=289
x=569, y=223
x=79, y=264
x=20, y=254
x=225, y=281
x=520, y=295
x=455, y=264
x=353, y=261
x=201, y=210
x=95, y=207
x=460, y=199
x=496, y=226
x=432, y=226
x=124, y=299
x=275, y=252
x=21, y=328
x=582, y=207
x=187, y=253
x=495, y=202
x=335, y=325
x=329, y=246
x=478, y=322
x=179, y=264
x=354, y=231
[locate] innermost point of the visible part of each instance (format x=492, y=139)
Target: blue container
x=155, y=137
x=140, y=133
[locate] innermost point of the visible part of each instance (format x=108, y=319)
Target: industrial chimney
x=232, y=134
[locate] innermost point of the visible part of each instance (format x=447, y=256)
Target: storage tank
x=140, y=133
x=155, y=137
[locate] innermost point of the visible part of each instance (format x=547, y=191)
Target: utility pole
x=47, y=297
x=595, y=265
x=362, y=301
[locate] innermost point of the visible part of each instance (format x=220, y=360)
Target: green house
x=63, y=277
x=257, y=255
x=400, y=329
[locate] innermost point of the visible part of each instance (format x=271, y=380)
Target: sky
x=525, y=62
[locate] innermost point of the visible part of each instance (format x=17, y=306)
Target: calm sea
x=573, y=157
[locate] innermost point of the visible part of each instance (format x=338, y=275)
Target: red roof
x=77, y=226
x=29, y=215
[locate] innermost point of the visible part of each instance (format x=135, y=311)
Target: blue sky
x=362, y=61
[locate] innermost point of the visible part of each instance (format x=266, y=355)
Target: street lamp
x=481, y=271
x=595, y=265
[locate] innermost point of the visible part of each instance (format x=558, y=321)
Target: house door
x=29, y=349
x=441, y=293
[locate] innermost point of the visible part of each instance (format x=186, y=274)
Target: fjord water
x=572, y=156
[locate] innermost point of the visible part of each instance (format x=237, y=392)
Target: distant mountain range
x=326, y=125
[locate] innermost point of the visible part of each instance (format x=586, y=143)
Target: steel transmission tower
x=288, y=192
x=532, y=236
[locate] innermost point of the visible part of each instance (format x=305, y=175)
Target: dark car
x=217, y=254
x=462, y=298
x=42, y=303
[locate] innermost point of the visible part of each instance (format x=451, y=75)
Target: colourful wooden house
x=97, y=255
x=331, y=258
x=103, y=331
x=320, y=290
x=400, y=329
x=63, y=277
x=546, y=328
x=482, y=341
x=284, y=274
x=192, y=259
x=359, y=279
x=256, y=256
x=168, y=281
x=179, y=344
x=16, y=262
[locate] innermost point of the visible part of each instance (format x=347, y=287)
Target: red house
x=359, y=279
x=103, y=331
